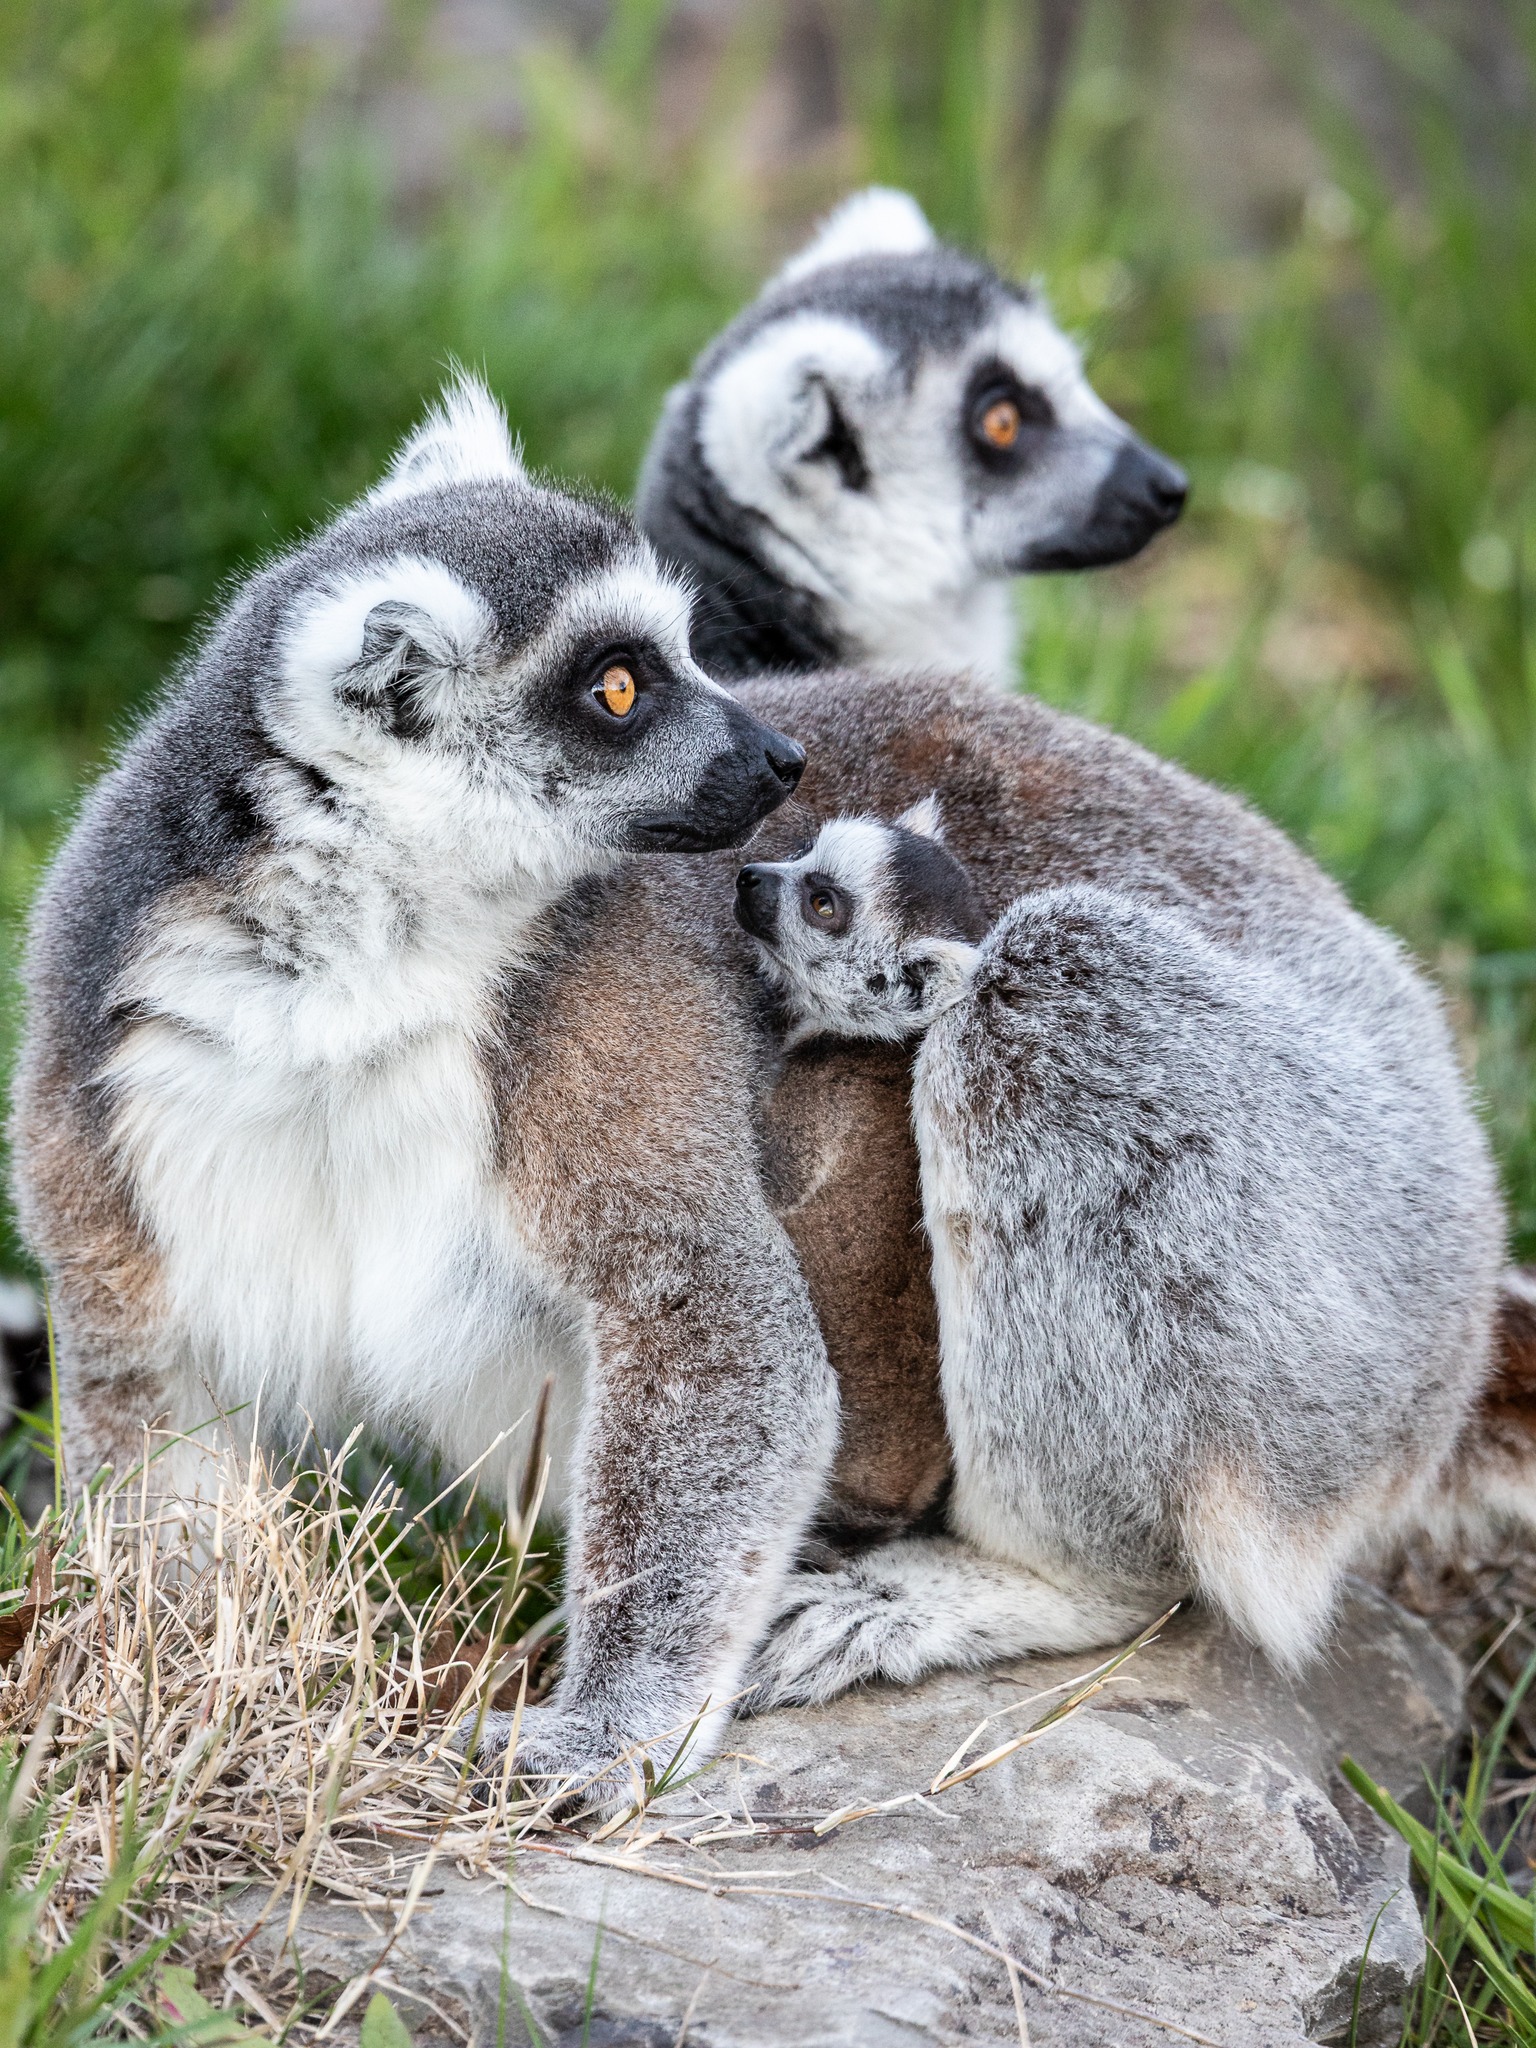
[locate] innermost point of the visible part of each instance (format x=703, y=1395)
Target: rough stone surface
x=1183, y=1845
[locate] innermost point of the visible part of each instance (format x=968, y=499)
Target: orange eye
x=617, y=690
x=1000, y=423
x=823, y=903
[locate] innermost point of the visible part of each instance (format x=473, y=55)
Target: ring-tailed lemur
x=1185, y=1168
x=863, y=459
x=867, y=933
x=294, y=1109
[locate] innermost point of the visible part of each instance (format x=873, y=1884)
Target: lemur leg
x=1138, y=1173
x=711, y=1411
x=922, y=1604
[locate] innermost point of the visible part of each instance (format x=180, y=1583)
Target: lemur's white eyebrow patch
x=463, y=439
x=855, y=851
x=634, y=599
x=878, y=222
x=325, y=637
x=763, y=402
x=1028, y=340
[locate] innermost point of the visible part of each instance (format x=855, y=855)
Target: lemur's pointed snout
x=757, y=899
x=1164, y=486
x=1142, y=493
x=786, y=757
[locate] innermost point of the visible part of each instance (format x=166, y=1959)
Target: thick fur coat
x=375, y=1067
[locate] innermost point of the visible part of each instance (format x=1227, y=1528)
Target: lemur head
x=870, y=931
x=496, y=672
x=864, y=457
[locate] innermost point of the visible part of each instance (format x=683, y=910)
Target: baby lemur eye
x=824, y=905
x=615, y=690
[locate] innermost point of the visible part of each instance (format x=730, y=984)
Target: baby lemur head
x=870, y=931
x=491, y=674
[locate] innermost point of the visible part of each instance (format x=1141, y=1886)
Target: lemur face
x=892, y=424
x=504, y=671
x=869, y=932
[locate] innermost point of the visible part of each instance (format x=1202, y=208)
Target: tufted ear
x=876, y=222
x=790, y=396
x=925, y=818
x=463, y=439
x=386, y=645
x=936, y=973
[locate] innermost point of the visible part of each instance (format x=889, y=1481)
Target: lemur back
x=1182, y=1164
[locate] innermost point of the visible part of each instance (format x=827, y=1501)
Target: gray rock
x=1183, y=1846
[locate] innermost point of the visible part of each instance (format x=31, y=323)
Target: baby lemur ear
x=463, y=439
x=936, y=973
x=926, y=819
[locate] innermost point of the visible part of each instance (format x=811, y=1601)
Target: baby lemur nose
x=786, y=757
x=757, y=899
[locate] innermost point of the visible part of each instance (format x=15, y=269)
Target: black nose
x=757, y=899
x=786, y=757
x=1143, y=493
x=1166, y=488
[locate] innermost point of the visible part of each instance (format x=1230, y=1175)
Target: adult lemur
x=370, y=1067
x=860, y=462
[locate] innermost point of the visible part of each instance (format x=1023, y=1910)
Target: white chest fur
x=312, y=1147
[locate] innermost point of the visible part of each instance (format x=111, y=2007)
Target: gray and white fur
x=297, y=1108
x=1214, y=1232
x=860, y=464
x=869, y=931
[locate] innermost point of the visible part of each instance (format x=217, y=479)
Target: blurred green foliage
x=218, y=315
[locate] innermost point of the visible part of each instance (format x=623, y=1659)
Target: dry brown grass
x=272, y=1721
x=266, y=1723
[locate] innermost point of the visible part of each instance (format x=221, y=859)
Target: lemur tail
x=1489, y=1483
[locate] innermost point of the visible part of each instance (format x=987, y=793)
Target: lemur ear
x=790, y=397
x=926, y=818
x=876, y=222
x=937, y=973
x=387, y=644
x=463, y=439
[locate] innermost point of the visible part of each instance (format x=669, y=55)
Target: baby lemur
x=1166, y=1257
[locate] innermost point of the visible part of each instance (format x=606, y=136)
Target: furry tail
x=1489, y=1484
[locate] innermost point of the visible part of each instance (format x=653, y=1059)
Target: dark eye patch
x=1003, y=416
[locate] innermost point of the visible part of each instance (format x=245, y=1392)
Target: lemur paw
x=570, y=1766
x=833, y=1630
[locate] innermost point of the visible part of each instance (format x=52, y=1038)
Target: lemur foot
x=834, y=1630
x=919, y=1605
x=570, y=1766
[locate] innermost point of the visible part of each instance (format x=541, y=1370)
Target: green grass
x=217, y=318
x=1479, y=1985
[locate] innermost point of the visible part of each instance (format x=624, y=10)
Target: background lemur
x=858, y=465
x=1175, y=1195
